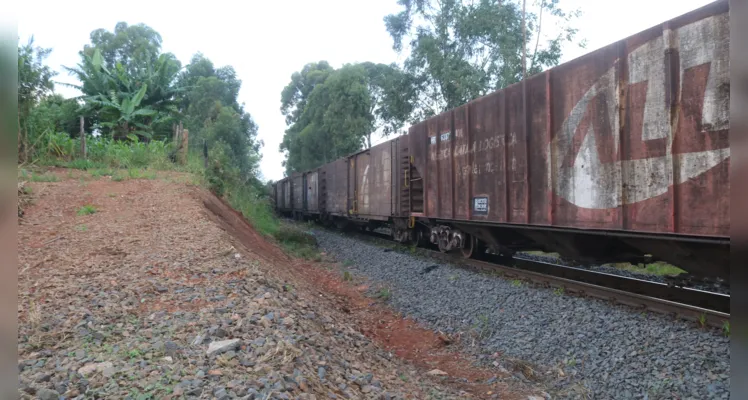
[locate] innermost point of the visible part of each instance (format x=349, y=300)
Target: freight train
x=621, y=155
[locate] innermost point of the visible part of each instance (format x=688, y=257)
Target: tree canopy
x=460, y=50
x=333, y=112
x=131, y=89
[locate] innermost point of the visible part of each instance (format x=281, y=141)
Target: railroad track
x=703, y=307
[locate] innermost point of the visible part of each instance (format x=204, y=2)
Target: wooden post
x=83, y=139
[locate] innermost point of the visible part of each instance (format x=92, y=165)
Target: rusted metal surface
x=336, y=187
x=631, y=137
x=285, y=194
x=312, y=191
x=297, y=189
x=372, y=176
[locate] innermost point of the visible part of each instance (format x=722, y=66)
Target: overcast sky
x=266, y=41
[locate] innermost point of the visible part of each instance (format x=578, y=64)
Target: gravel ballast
x=578, y=347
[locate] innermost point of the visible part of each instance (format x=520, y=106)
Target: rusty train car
x=619, y=155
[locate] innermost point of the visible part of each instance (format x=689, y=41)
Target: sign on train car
x=631, y=137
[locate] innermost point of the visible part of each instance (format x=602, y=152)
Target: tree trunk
x=524, y=41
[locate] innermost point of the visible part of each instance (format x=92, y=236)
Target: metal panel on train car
x=287, y=193
x=460, y=181
x=486, y=172
x=297, y=186
x=665, y=167
x=312, y=191
x=373, y=180
x=633, y=136
x=337, y=187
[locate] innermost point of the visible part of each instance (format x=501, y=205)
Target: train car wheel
x=471, y=247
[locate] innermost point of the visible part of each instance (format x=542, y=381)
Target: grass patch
x=34, y=177
x=384, y=294
x=298, y=243
x=87, y=210
x=258, y=211
x=134, y=173
x=347, y=276
x=659, y=268
x=99, y=172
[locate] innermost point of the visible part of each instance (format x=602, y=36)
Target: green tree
x=209, y=101
x=134, y=46
x=332, y=113
x=117, y=65
x=34, y=83
x=460, y=50
x=296, y=94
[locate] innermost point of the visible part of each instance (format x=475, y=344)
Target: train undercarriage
x=703, y=260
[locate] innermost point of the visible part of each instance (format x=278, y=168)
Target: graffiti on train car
x=586, y=163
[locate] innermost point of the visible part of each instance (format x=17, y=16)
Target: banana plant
x=122, y=112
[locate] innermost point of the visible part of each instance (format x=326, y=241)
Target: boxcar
x=374, y=181
x=631, y=139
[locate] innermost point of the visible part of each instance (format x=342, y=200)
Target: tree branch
x=537, y=41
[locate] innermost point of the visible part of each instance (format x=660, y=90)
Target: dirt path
x=127, y=300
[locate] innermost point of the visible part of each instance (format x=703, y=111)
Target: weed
x=482, y=327
x=726, y=328
x=702, y=320
x=571, y=362
x=133, y=353
x=118, y=177
x=81, y=228
x=516, y=283
x=86, y=210
x=347, y=276
x=384, y=294
x=559, y=290
x=112, y=194
x=347, y=263
x=658, y=268
x=453, y=278
x=403, y=377
x=134, y=173
x=43, y=178
x=99, y=172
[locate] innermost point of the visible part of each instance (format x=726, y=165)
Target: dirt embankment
x=152, y=287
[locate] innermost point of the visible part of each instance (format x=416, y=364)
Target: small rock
x=436, y=372
x=168, y=359
x=215, y=372
x=222, y=346
x=321, y=373
x=88, y=369
x=109, y=372
x=198, y=340
x=47, y=394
